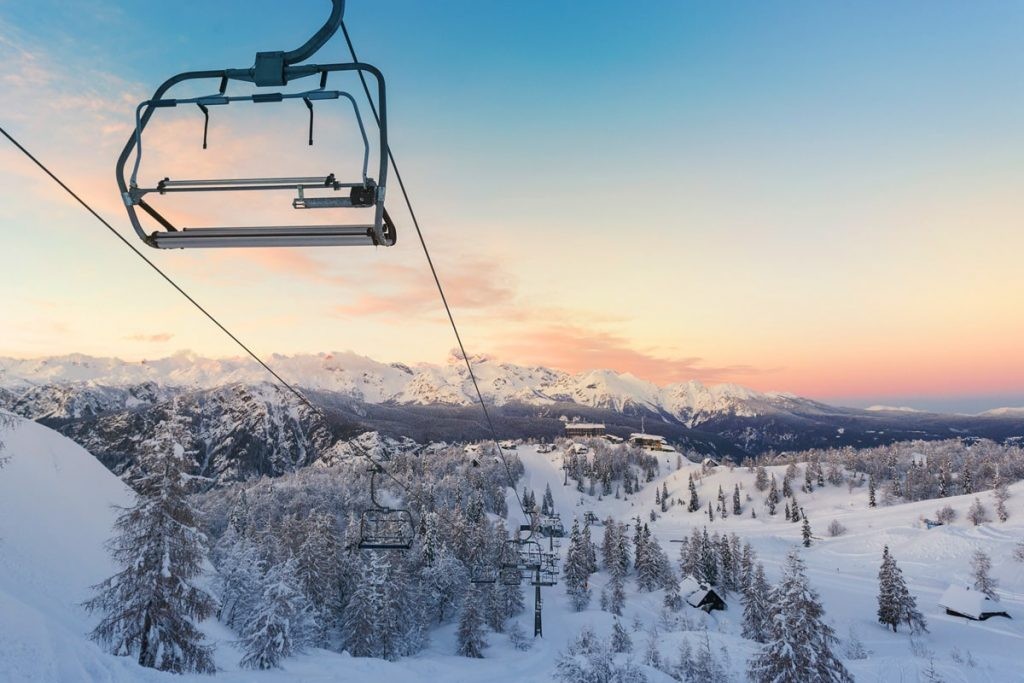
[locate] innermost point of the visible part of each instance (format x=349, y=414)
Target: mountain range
x=245, y=426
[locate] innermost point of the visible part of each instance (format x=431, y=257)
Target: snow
x=970, y=603
x=368, y=380
x=55, y=515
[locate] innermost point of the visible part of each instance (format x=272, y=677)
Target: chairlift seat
x=385, y=529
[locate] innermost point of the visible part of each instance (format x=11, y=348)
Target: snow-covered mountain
x=44, y=383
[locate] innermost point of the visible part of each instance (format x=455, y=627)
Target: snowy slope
x=843, y=569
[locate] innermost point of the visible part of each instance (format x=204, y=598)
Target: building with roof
x=581, y=429
x=650, y=441
x=963, y=601
x=700, y=595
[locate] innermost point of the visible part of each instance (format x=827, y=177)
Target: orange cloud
x=574, y=349
x=405, y=291
x=154, y=338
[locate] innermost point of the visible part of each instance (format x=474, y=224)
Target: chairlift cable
x=185, y=294
x=155, y=267
x=437, y=281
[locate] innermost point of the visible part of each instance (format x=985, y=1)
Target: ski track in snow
x=55, y=515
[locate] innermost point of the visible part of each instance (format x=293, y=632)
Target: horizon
x=817, y=200
x=961, y=405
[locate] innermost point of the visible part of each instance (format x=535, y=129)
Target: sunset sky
x=821, y=198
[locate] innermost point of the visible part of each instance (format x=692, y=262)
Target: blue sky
x=814, y=197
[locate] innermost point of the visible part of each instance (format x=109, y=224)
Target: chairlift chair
x=484, y=575
x=384, y=528
x=318, y=191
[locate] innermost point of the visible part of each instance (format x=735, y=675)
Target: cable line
x=437, y=281
x=185, y=294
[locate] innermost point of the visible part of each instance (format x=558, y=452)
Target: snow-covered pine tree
x=772, y=499
x=549, y=500
x=576, y=571
x=1001, y=495
x=664, y=497
x=471, y=641
x=805, y=532
x=621, y=642
x=238, y=577
x=871, y=491
x=282, y=623
x=727, y=578
x=708, y=568
x=800, y=642
x=711, y=512
x=757, y=607
x=589, y=548
x=694, y=503
x=316, y=568
x=737, y=508
x=895, y=603
x=443, y=583
x=151, y=607
x=968, y=482
x=761, y=479
x=787, y=486
x=981, y=565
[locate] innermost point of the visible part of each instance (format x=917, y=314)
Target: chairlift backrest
x=384, y=528
x=318, y=191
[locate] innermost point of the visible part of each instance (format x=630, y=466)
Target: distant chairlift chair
x=384, y=528
x=271, y=69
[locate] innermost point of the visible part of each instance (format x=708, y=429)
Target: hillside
x=55, y=515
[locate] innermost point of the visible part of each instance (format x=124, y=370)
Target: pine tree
x=549, y=500
x=238, y=577
x=621, y=642
x=590, y=549
x=150, y=607
x=800, y=642
x=282, y=625
x=442, y=584
x=664, y=497
x=757, y=609
x=787, y=487
x=761, y=479
x=1001, y=494
x=806, y=532
x=773, y=497
x=576, y=572
x=895, y=603
x=968, y=483
x=471, y=641
x=737, y=508
x=711, y=512
x=871, y=491
x=708, y=561
x=694, y=504
x=981, y=565
x=316, y=569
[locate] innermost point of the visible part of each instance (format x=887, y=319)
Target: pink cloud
x=575, y=349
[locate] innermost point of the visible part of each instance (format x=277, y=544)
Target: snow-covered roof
x=689, y=585
x=584, y=425
x=697, y=597
x=970, y=603
x=649, y=437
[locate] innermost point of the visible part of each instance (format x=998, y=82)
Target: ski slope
x=843, y=569
x=55, y=515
